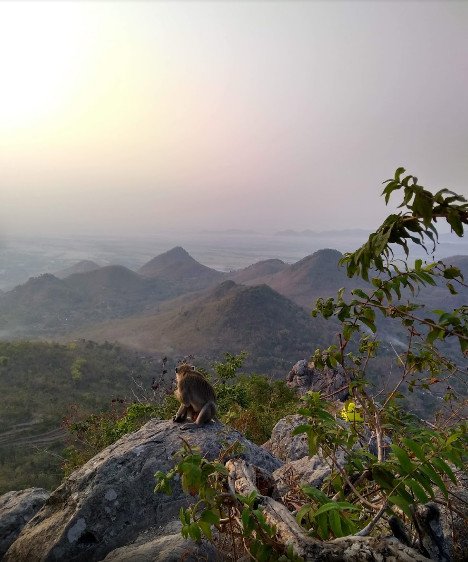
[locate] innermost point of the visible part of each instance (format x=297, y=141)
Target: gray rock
x=285, y=446
x=166, y=545
x=16, y=509
x=454, y=522
x=109, y=501
x=308, y=470
x=330, y=382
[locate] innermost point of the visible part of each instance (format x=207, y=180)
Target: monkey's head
x=183, y=369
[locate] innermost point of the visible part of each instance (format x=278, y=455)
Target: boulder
x=308, y=470
x=166, y=545
x=16, y=509
x=285, y=446
x=109, y=501
x=304, y=377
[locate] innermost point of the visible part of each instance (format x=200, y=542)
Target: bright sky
x=133, y=117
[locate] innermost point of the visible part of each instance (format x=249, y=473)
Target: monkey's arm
x=181, y=415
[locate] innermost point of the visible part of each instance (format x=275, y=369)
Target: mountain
x=439, y=297
x=46, y=305
x=317, y=275
x=231, y=317
x=179, y=268
x=258, y=273
x=83, y=266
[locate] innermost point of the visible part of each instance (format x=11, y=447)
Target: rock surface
x=285, y=446
x=109, y=501
x=311, y=471
x=16, y=509
x=330, y=382
x=166, y=545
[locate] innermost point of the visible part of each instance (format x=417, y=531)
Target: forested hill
x=39, y=382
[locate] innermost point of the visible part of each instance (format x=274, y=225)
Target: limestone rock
x=285, y=446
x=109, y=501
x=308, y=470
x=330, y=382
x=16, y=509
x=166, y=545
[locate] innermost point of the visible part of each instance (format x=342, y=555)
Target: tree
x=389, y=464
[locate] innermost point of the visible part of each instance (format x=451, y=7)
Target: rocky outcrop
x=308, y=470
x=109, y=501
x=165, y=545
x=16, y=509
x=298, y=467
x=285, y=446
x=330, y=382
x=243, y=480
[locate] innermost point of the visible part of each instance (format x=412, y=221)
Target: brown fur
x=196, y=396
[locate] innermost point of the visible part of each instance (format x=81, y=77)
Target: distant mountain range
x=325, y=233
x=174, y=304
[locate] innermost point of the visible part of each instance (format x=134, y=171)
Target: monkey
x=196, y=397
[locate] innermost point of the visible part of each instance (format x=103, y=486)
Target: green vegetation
x=40, y=383
x=392, y=460
x=237, y=405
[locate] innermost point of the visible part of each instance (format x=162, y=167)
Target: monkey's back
x=197, y=389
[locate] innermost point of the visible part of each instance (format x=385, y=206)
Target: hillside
x=39, y=382
x=83, y=266
x=46, y=306
x=317, y=275
x=439, y=297
x=258, y=273
x=179, y=268
x=274, y=330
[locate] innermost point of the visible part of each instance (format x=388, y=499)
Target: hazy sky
x=132, y=117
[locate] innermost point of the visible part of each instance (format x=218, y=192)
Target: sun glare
x=42, y=53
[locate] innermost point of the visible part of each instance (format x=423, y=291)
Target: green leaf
x=195, y=532
x=434, y=477
x=368, y=323
x=360, y=293
x=415, y=448
x=337, y=506
x=403, y=458
x=191, y=478
x=206, y=528
x=402, y=504
x=315, y=494
x=247, y=521
x=443, y=467
x=425, y=483
x=417, y=490
x=210, y=517
x=334, y=521
x=452, y=272
x=398, y=173
x=452, y=289
x=383, y=477
x=305, y=510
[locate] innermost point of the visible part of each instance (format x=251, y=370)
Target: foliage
x=37, y=387
x=385, y=461
x=217, y=507
x=237, y=404
x=237, y=399
x=408, y=461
